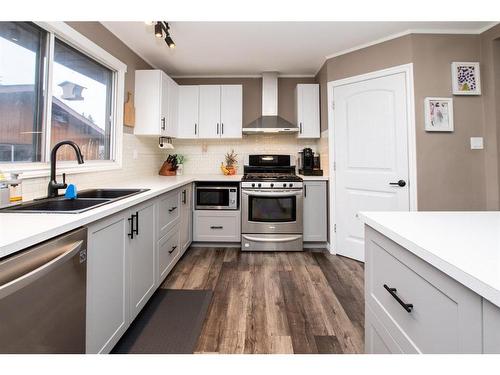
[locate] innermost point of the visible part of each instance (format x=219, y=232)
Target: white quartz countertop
x=313, y=178
x=463, y=245
x=21, y=230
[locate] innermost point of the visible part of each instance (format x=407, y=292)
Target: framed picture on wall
x=466, y=78
x=438, y=114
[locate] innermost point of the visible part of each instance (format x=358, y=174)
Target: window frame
x=70, y=36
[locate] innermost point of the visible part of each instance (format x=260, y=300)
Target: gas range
x=272, y=198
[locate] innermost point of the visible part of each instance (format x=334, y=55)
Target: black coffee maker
x=309, y=163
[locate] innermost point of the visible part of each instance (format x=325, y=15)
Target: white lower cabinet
x=315, y=211
x=412, y=307
x=107, y=283
x=186, y=227
x=142, y=255
x=217, y=226
x=168, y=252
x=127, y=258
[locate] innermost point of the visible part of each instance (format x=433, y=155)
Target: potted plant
x=180, y=164
x=231, y=163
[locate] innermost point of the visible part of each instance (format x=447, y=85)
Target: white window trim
x=42, y=169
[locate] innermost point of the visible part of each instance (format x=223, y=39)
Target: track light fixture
x=163, y=27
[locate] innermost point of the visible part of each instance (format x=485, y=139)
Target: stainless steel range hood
x=270, y=122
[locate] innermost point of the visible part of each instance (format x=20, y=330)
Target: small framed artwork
x=466, y=78
x=438, y=114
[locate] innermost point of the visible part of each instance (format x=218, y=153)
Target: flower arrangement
x=231, y=163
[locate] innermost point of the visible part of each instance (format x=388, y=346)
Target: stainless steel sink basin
x=109, y=193
x=86, y=200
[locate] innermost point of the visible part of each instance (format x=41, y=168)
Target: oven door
x=278, y=211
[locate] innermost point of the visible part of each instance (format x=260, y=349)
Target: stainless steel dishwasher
x=42, y=297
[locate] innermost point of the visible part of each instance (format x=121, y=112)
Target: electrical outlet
x=476, y=143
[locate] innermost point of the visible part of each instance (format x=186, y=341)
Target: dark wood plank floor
x=307, y=302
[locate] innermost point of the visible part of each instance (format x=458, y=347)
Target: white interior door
x=371, y=155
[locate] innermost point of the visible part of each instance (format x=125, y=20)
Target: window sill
x=39, y=170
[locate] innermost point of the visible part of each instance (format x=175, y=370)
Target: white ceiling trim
x=243, y=76
x=404, y=33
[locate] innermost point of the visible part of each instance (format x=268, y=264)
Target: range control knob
x=284, y=185
x=253, y=185
x=272, y=185
x=259, y=185
x=290, y=184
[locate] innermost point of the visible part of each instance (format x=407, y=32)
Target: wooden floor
x=307, y=302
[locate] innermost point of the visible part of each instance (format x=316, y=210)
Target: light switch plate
x=476, y=143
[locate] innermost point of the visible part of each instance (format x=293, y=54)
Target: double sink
x=86, y=200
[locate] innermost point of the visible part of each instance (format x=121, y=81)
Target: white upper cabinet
x=189, y=97
x=156, y=104
x=210, y=111
x=231, y=111
x=307, y=110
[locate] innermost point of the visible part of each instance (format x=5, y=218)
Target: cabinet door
x=231, y=113
x=168, y=252
x=308, y=110
x=173, y=108
x=315, y=211
x=188, y=112
x=186, y=217
x=164, y=104
x=141, y=250
x=107, y=283
x=209, y=111
x=169, y=211
x=217, y=226
x=148, y=102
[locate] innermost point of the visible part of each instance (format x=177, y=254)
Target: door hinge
x=333, y=105
x=334, y=166
x=334, y=228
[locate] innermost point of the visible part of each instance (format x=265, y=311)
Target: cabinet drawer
x=445, y=317
x=169, y=208
x=217, y=226
x=168, y=251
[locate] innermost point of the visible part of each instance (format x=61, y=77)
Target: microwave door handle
x=14, y=285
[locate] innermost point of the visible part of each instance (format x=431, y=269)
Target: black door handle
x=173, y=249
x=216, y=227
x=172, y=209
x=131, y=221
x=137, y=222
x=400, y=183
x=392, y=291
x=184, y=196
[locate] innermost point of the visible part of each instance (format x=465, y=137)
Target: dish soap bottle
x=15, y=188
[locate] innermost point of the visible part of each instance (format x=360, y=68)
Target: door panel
x=231, y=111
x=209, y=111
x=188, y=111
x=164, y=104
x=142, y=259
x=371, y=151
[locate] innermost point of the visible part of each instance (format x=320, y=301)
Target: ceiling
x=249, y=48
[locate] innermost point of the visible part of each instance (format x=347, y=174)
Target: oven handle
x=267, y=239
x=260, y=193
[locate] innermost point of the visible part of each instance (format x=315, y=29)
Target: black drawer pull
x=131, y=221
x=216, y=227
x=172, y=209
x=173, y=249
x=400, y=183
x=392, y=291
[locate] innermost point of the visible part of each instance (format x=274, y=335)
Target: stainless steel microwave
x=216, y=197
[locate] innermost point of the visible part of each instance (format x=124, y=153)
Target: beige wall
x=252, y=94
x=450, y=175
x=108, y=41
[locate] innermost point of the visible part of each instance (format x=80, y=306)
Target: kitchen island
x=432, y=282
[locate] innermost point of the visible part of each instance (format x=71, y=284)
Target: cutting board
x=129, y=111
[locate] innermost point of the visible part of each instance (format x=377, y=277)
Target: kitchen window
x=56, y=85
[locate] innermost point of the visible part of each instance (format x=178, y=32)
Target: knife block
x=166, y=169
